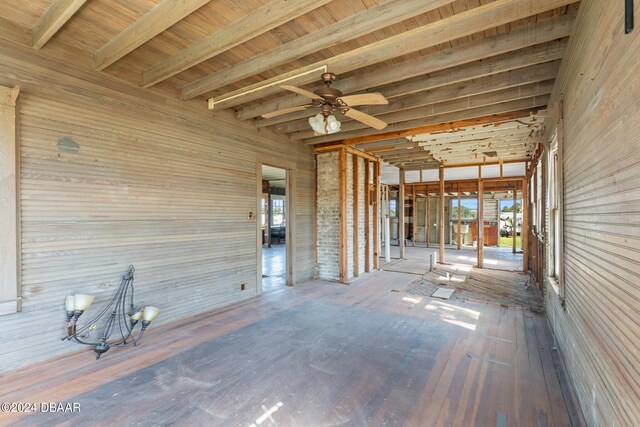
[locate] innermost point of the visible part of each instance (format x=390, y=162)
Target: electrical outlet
x=242, y=285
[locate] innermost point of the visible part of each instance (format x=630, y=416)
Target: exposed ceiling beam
x=385, y=146
x=520, y=59
x=522, y=37
x=364, y=22
x=261, y=20
x=479, y=131
x=418, y=166
x=56, y=15
x=524, y=132
x=446, y=122
x=397, y=118
x=510, y=79
x=397, y=129
x=162, y=16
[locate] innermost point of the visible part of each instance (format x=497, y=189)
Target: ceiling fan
x=330, y=100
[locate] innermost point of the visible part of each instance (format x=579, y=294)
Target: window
x=393, y=207
x=538, y=209
x=468, y=208
x=277, y=212
x=554, y=211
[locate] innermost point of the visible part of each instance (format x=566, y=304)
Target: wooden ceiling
x=450, y=69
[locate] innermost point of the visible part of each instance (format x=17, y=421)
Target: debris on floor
x=443, y=293
x=500, y=287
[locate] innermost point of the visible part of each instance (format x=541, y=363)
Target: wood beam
x=441, y=126
x=413, y=215
x=441, y=216
x=56, y=15
x=367, y=217
x=428, y=221
x=523, y=80
x=261, y=20
x=510, y=109
x=480, y=246
x=440, y=66
x=356, y=225
x=525, y=226
x=352, y=27
x=458, y=237
x=516, y=129
x=401, y=230
x=350, y=150
x=376, y=216
x=162, y=16
x=342, y=208
x=462, y=24
x=526, y=94
x=514, y=224
x=454, y=82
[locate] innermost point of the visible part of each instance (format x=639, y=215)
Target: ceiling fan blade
x=285, y=111
x=302, y=92
x=366, y=119
x=373, y=98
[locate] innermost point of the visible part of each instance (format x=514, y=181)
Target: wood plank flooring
x=317, y=354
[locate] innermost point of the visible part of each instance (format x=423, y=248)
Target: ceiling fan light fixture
x=324, y=126
x=333, y=125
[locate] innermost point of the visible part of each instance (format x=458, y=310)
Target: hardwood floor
x=317, y=354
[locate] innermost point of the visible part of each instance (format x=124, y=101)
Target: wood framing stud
x=356, y=218
x=367, y=217
x=441, y=215
x=480, y=220
x=400, y=207
x=342, y=206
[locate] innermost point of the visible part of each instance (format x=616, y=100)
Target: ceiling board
x=434, y=92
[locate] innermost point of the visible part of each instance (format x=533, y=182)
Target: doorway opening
x=273, y=227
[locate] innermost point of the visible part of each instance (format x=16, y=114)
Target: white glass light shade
x=333, y=125
x=150, y=313
x=69, y=303
x=137, y=315
x=83, y=302
x=317, y=124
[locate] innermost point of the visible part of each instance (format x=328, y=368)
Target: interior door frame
x=289, y=212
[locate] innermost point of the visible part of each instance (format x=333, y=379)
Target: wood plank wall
x=598, y=332
x=113, y=175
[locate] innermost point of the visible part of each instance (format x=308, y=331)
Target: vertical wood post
x=525, y=225
x=342, y=206
x=459, y=237
x=376, y=216
x=428, y=222
x=356, y=218
x=268, y=218
x=480, y=219
x=441, y=216
x=367, y=206
x=413, y=215
x=290, y=231
x=515, y=216
x=426, y=215
x=401, y=230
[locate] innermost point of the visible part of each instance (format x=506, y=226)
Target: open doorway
x=274, y=205
x=503, y=225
